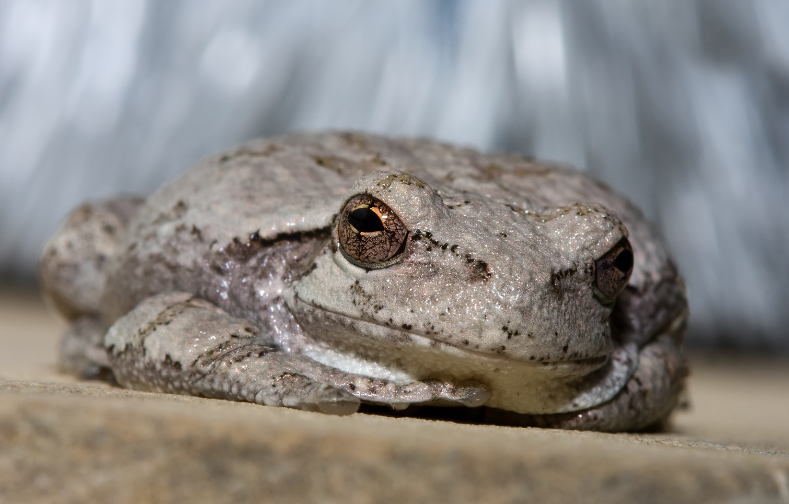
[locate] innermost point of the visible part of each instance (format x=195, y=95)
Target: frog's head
x=433, y=280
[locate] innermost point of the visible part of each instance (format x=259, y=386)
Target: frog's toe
x=438, y=392
x=332, y=401
x=472, y=394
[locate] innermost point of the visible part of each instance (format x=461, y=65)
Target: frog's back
x=295, y=183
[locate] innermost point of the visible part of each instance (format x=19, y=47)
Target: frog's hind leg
x=181, y=344
x=74, y=263
x=73, y=269
x=82, y=351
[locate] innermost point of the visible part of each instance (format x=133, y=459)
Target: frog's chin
x=379, y=351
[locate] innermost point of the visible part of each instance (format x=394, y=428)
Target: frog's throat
x=522, y=386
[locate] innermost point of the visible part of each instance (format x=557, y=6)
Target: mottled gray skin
x=229, y=282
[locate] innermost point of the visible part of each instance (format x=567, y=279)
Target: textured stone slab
x=71, y=443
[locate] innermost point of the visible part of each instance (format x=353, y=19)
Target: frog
x=333, y=271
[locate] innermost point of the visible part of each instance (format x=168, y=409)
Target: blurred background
x=682, y=105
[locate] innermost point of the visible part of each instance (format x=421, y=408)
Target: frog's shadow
x=484, y=415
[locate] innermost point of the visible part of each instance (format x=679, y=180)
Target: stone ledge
x=83, y=443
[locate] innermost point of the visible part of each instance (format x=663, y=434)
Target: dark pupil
x=365, y=220
x=624, y=261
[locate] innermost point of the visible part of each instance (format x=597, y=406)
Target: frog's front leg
x=646, y=400
x=181, y=344
x=648, y=397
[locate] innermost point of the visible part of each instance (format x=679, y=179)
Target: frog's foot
x=73, y=265
x=646, y=399
x=82, y=351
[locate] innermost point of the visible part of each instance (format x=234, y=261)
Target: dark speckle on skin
x=407, y=327
x=557, y=278
x=197, y=233
x=180, y=208
x=417, y=235
x=510, y=333
x=516, y=209
x=480, y=270
x=336, y=164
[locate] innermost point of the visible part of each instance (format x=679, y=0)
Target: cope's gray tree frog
x=321, y=271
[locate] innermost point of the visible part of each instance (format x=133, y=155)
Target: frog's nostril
x=612, y=271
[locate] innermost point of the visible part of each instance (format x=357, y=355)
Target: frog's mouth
x=380, y=351
x=397, y=337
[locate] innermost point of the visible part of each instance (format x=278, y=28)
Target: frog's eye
x=612, y=271
x=371, y=235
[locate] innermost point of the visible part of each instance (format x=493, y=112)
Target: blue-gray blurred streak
x=683, y=105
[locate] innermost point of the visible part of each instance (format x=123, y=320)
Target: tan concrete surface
x=62, y=440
